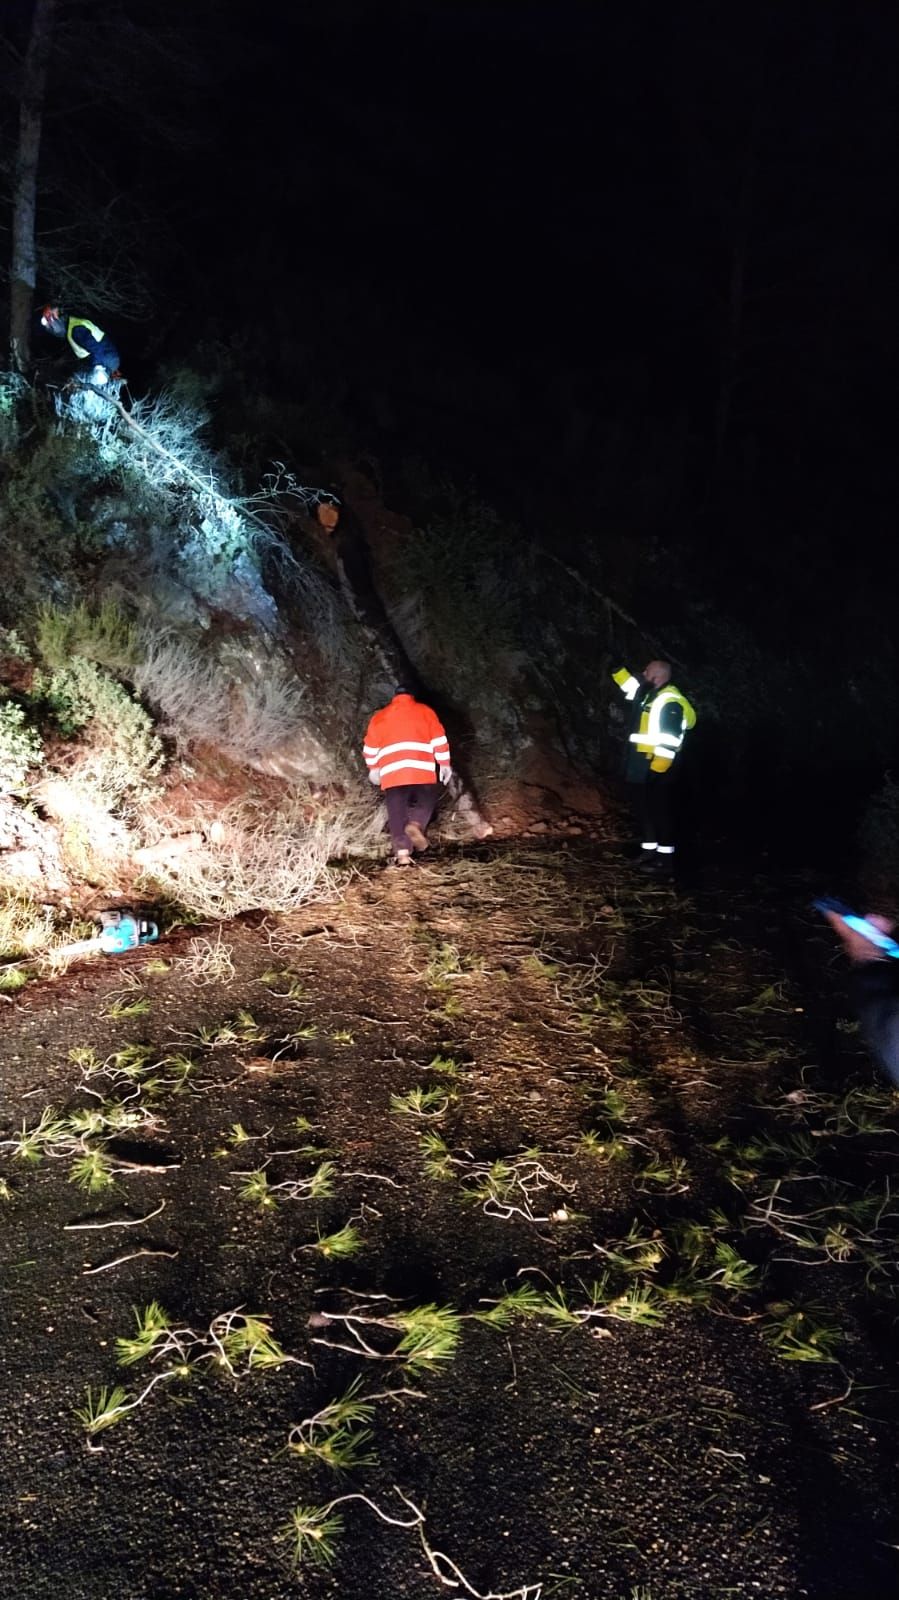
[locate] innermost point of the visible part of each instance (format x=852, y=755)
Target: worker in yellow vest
x=92, y=347
x=660, y=718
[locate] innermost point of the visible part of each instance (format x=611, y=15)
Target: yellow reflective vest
x=662, y=719
x=72, y=325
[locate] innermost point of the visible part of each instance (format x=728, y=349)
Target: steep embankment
x=605, y=1130
x=185, y=674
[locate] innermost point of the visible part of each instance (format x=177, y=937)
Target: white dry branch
x=207, y=961
x=255, y=858
x=441, y=1565
x=509, y=1187
x=259, y=858
x=162, y=438
x=115, y=1222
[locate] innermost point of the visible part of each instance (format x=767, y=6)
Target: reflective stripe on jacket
x=663, y=718
x=405, y=743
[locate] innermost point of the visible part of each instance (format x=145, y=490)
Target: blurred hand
x=856, y=946
x=375, y=778
x=445, y=774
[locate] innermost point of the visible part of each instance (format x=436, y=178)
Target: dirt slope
x=635, y=1108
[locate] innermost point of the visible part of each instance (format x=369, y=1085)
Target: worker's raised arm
x=626, y=682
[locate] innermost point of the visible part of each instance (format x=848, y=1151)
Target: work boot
x=417, y=835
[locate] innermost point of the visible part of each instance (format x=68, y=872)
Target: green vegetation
x=234, y=1343
x=421, y=1102
x=152, y=1325
x=92, y=1173
x=594, y=1133
x=340, y=1246
x=21, y=749
x=12, y=979
x=127, y=756
x=240, y=1029
x=338, y=1434
x=445, y=1066
x=103, y=1409
x=312, y=1532
x=798, y=1334
x=285, y=983
x=102, y=634
x=424, y=1338
x=120, y=1007
x=257, y=1191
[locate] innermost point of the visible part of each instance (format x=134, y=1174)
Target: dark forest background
x=625, y=272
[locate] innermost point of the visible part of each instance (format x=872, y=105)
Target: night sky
x=557, y=192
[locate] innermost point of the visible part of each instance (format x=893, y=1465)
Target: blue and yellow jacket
x=90, y=343
x=660, y=720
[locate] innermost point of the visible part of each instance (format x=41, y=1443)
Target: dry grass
x=94, y=846
x=26, y=927
x=30, y=930
x=256, y=858
x=250, y=704
x=207, y=961
x=187, y=686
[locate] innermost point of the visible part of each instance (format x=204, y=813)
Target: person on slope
x=88, y=343
x=660, y=719
x=406, y=750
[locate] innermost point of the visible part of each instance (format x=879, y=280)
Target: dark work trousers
x=653, y=801
x=409, y=802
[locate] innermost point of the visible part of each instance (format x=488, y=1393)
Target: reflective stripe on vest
x=649, y=738
x=82, y=322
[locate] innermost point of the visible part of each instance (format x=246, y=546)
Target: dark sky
x=557, y=178
x=626, y=216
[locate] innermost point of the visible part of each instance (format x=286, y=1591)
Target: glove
x=660, y=763
x=375, y=778
x=445, y=774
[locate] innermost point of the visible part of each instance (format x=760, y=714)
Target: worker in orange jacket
x=406, y=750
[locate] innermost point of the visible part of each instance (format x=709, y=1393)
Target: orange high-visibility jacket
x=404, y=743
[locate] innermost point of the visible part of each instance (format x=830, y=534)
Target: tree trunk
x=23, y=267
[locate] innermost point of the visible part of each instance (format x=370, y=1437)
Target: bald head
x=658, y=673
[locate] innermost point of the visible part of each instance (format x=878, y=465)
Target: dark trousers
x=653, y=802
x=409, y=802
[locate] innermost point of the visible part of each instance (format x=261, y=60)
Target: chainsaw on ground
x=123, y=930
x=120, y=931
